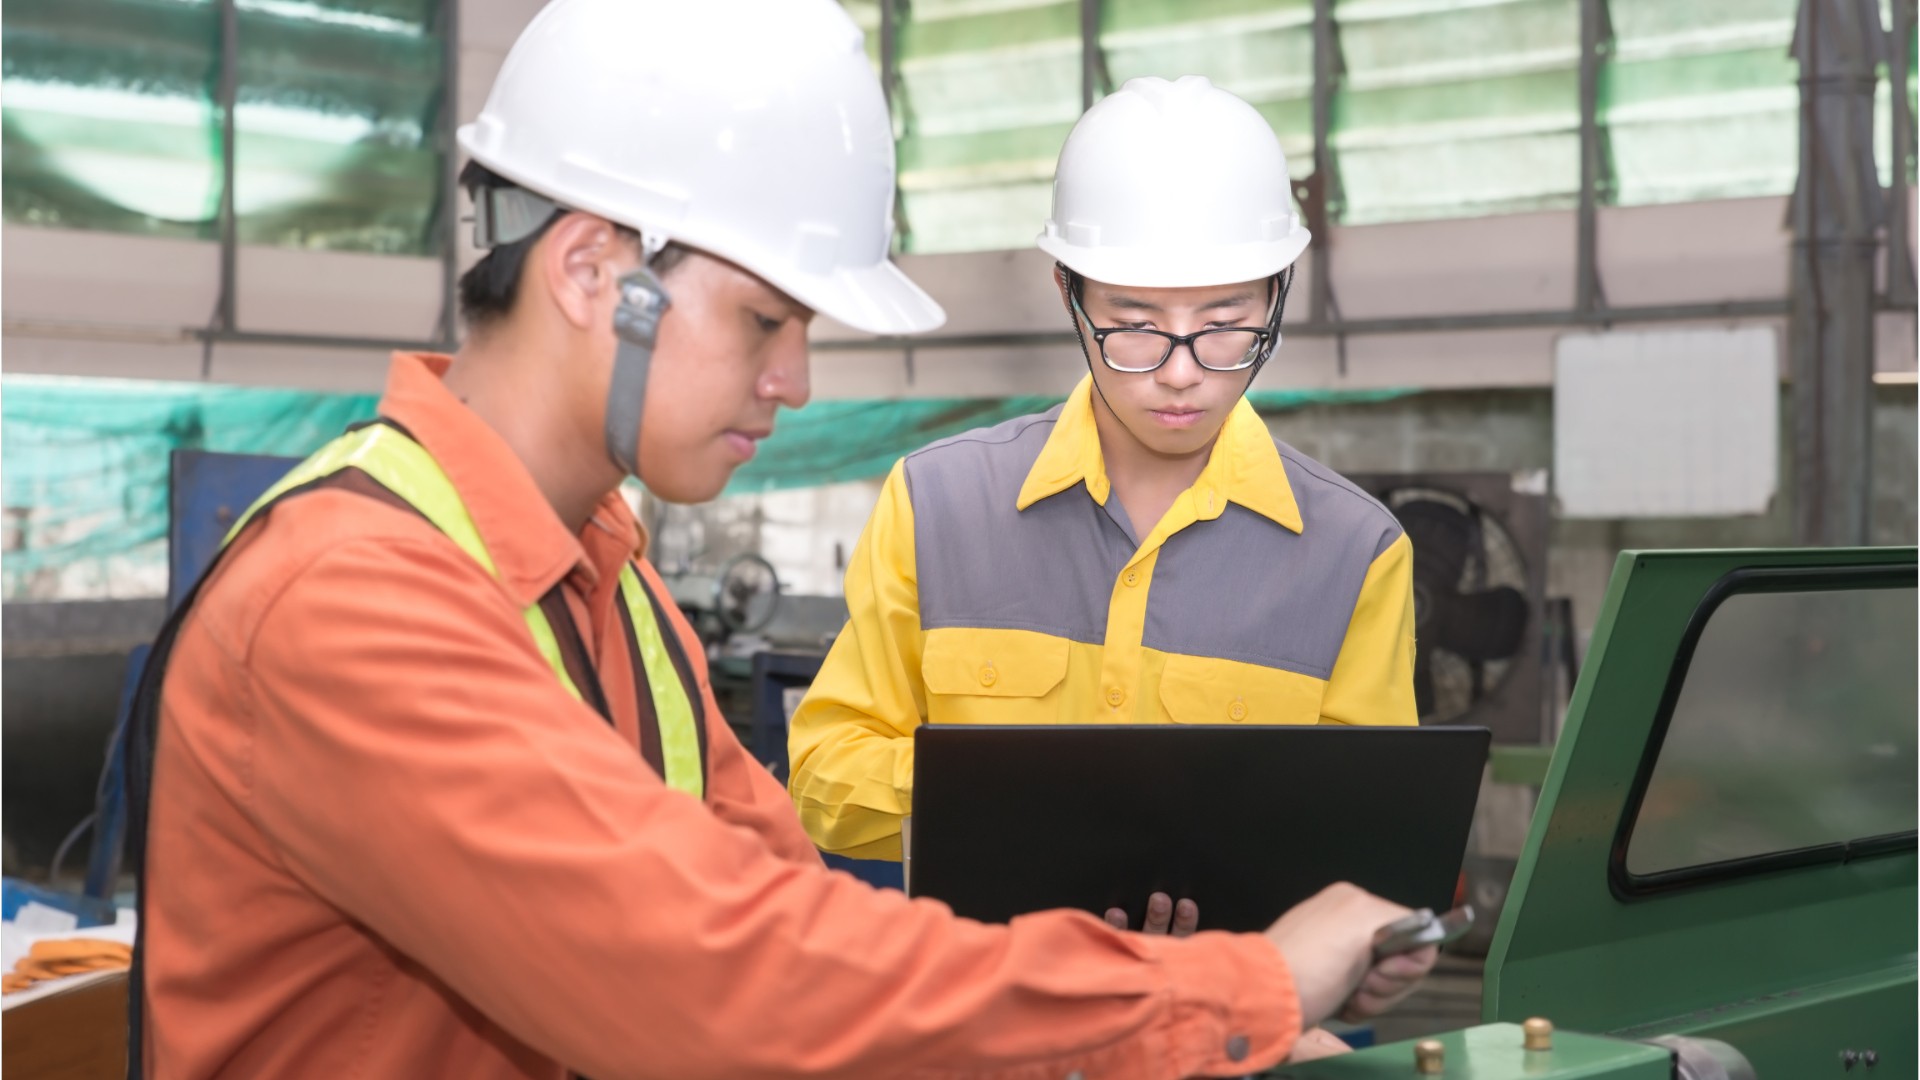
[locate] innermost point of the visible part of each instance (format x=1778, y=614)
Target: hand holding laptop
x=1163, y=916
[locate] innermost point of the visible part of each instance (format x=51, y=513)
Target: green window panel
x=111, y=122
x=987, y=91
x=1444, y=108
x=979, y=217
x=1699, y=100
x=1261, y=50
x=1456, y=109
x=1793, y=729
x=866, y=15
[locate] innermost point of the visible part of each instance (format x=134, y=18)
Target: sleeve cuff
x=1234, y=1005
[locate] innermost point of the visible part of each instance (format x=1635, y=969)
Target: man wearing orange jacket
x=429, y=780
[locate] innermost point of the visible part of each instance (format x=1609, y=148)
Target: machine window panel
x=1794, y=728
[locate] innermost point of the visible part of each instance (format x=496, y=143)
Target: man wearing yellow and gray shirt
x=1146, y=552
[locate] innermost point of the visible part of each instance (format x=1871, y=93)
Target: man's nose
x=787, y=379
x=1182, y=370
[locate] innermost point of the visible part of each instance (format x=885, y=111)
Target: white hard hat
x=1167, y=184
x=755, y=130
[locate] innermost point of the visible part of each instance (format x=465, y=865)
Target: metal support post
x=1595, y=40
x=890, y=16
x=449, y=172
x=1900, y=270
x=1324, y=188
x=1836, y=211
x=890, y=57
x=1094, y=80
x=225, y=318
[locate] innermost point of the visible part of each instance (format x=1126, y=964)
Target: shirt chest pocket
x=976, y=676
x=1204, y=690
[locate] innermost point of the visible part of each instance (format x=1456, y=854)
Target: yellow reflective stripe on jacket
x=672, y=709
x=404, y=467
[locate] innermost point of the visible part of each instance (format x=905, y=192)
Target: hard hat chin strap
x=506, y=215
x=1073, y=286
x=1283, y=284
x=636, y=327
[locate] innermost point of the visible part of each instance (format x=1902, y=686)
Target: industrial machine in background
x=1479, y=587
x=1719, y=880
x=1488, y=641
x=740, y=597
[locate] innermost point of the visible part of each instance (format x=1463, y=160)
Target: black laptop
x=1245, y=821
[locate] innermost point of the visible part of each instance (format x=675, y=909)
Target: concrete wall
x=1512, y=430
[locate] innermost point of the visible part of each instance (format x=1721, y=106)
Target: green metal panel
x=1803, y=1031
x=1520, y=764
x=1790, y=966
x=1497, y=1052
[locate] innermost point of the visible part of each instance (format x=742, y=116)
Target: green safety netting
x=836, y=441
x=111, y=123
x=84, y=461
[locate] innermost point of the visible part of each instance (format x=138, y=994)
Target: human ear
x=577, y=258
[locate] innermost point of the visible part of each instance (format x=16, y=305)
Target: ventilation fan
x=1479, y=554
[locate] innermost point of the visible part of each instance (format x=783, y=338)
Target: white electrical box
x=1666, y=423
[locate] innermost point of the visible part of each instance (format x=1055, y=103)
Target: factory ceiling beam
x=1415, y=324
x=1836, y=211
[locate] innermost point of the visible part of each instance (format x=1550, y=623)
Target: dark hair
x=489, y=287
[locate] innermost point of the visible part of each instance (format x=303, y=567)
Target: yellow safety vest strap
x=672, y=708
x=404, y=467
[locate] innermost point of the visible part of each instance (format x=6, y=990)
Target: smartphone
x=1420, y=929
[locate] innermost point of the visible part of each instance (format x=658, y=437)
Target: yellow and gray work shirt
x=998, y=582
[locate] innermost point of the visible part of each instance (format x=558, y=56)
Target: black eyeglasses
x=1135, y=350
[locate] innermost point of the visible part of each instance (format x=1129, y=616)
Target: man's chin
x=683, y=488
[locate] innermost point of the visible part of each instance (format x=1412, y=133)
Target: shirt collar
x=1244, y=468
x=531, y=547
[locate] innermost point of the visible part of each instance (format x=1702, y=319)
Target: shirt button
x=1237, y=1048
x=1115, y=696
x=988, y=676
x=1076, y=1075
x=1237, y=710
x=1132, y=577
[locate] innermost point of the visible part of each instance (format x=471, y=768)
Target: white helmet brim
x=878, y=299
x=1178, y=267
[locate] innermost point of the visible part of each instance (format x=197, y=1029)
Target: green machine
x=1719, y=880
